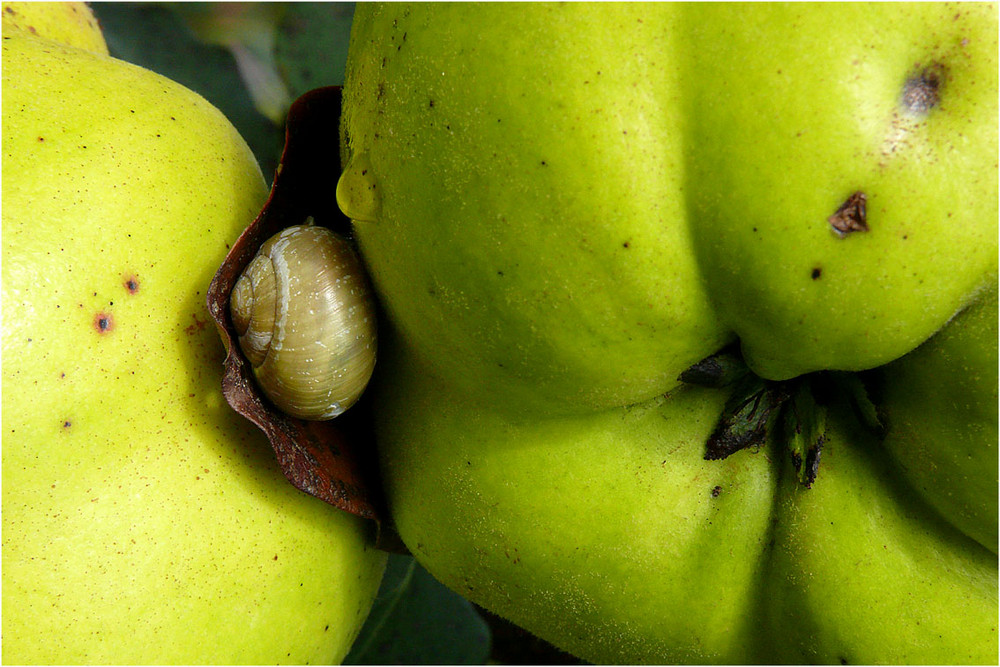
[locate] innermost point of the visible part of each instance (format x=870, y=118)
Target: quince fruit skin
x=596, y=215
x=529, y=187
x=554, y=240
x=801, y=108
x=940, y=405
x=71, y=23
x=862, y=570
x=610, y=536
x=143, y=520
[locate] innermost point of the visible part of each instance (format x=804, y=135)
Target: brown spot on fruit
x=816, y=273
x=199, y=325
x=131, y=284
x=852, y=216
x=103, y=322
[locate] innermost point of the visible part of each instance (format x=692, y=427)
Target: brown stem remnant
x=851, y=216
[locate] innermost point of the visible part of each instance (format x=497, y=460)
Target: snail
x=306, y=322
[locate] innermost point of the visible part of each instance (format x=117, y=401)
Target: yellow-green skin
x=535, y=195
x=143, y=520
x=798, y=106
x=628, y=182
x=611, y=537
x=940, y=403
x=71, y=23
x=534, y=189
x=606, y=534
x=862, y=571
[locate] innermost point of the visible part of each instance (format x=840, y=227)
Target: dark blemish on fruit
x=626, y=245
x=716, y=491
x=922, y=91
x=103, y=322
x=67, y=423
x=816, y=273
x=851, y=216
x=430, y=104
x=41, y=138
x=811, y=463
x=132, y=284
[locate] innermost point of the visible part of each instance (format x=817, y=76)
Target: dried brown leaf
x=331, y=460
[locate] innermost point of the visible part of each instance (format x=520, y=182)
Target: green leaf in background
x=417, y=621
x=247, y=30
x=311, y=44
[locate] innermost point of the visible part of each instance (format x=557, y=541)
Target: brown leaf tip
x=852, y=215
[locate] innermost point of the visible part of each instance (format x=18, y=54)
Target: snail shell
x=306, y=322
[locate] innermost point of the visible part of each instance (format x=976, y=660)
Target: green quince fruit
x=555, y=241
x=565, y=207
x=940, y=404
x=810, y=108
x=143, y=521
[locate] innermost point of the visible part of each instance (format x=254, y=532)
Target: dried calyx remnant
x=852, y=216
x=922, y=91
x=792, y=412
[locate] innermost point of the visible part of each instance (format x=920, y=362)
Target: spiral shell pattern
x=306, y=322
